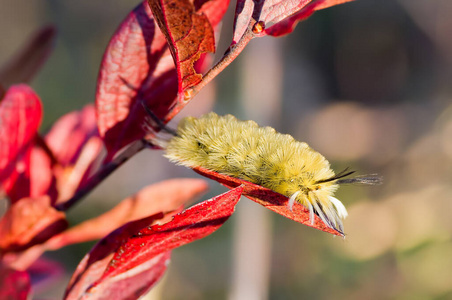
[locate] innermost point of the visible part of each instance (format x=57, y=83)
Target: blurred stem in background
x=261, y=97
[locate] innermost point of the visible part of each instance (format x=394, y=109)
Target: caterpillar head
x=319, y=198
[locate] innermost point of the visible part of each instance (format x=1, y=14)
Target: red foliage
x=282, y=14
x=20, y=116
x=132, y=285
x=137, y=244
x=33, y=176
x=269, y=199
x=148, y=201
x=138, y=67
x=158, y=62
x=287, y=25
x=189, y=35
x=93, y=265
x=25, y=170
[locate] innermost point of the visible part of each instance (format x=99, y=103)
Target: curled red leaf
x=269, y=199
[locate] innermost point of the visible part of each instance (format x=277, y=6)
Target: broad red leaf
x=93, y=265
x=148, y=201
x=282, y=14
x=134, y=61
x=20, y=116
x=269, y=199
x=137, y=66
x=28, y=222
x=192, y=224
x=24, y=65
x=14, y=284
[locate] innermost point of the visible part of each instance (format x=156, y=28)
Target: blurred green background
x=368, y=84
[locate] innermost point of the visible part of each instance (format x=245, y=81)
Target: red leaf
x=288, y=25
x=23, y=66
x=189, y=35
x=189, y=30
x=194, y=223
x=14, y=284
x=130, y=285
x=136, y=66
x=269, y=199
x=148, y=201
x=20, y=116
x=283, y=14
x=95, y=262
x=28, y=222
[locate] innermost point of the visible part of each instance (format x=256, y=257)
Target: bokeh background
x=368, y=84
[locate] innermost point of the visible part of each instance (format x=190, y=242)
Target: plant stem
x=103, y=173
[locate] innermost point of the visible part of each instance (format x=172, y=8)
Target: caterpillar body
x=261, y=155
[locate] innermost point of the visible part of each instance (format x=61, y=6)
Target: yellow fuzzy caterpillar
x=242, y=149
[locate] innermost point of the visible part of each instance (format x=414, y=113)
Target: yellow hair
x=242, y=149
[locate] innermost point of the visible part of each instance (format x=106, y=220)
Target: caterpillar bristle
x=371, y=179
x=292, y=200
